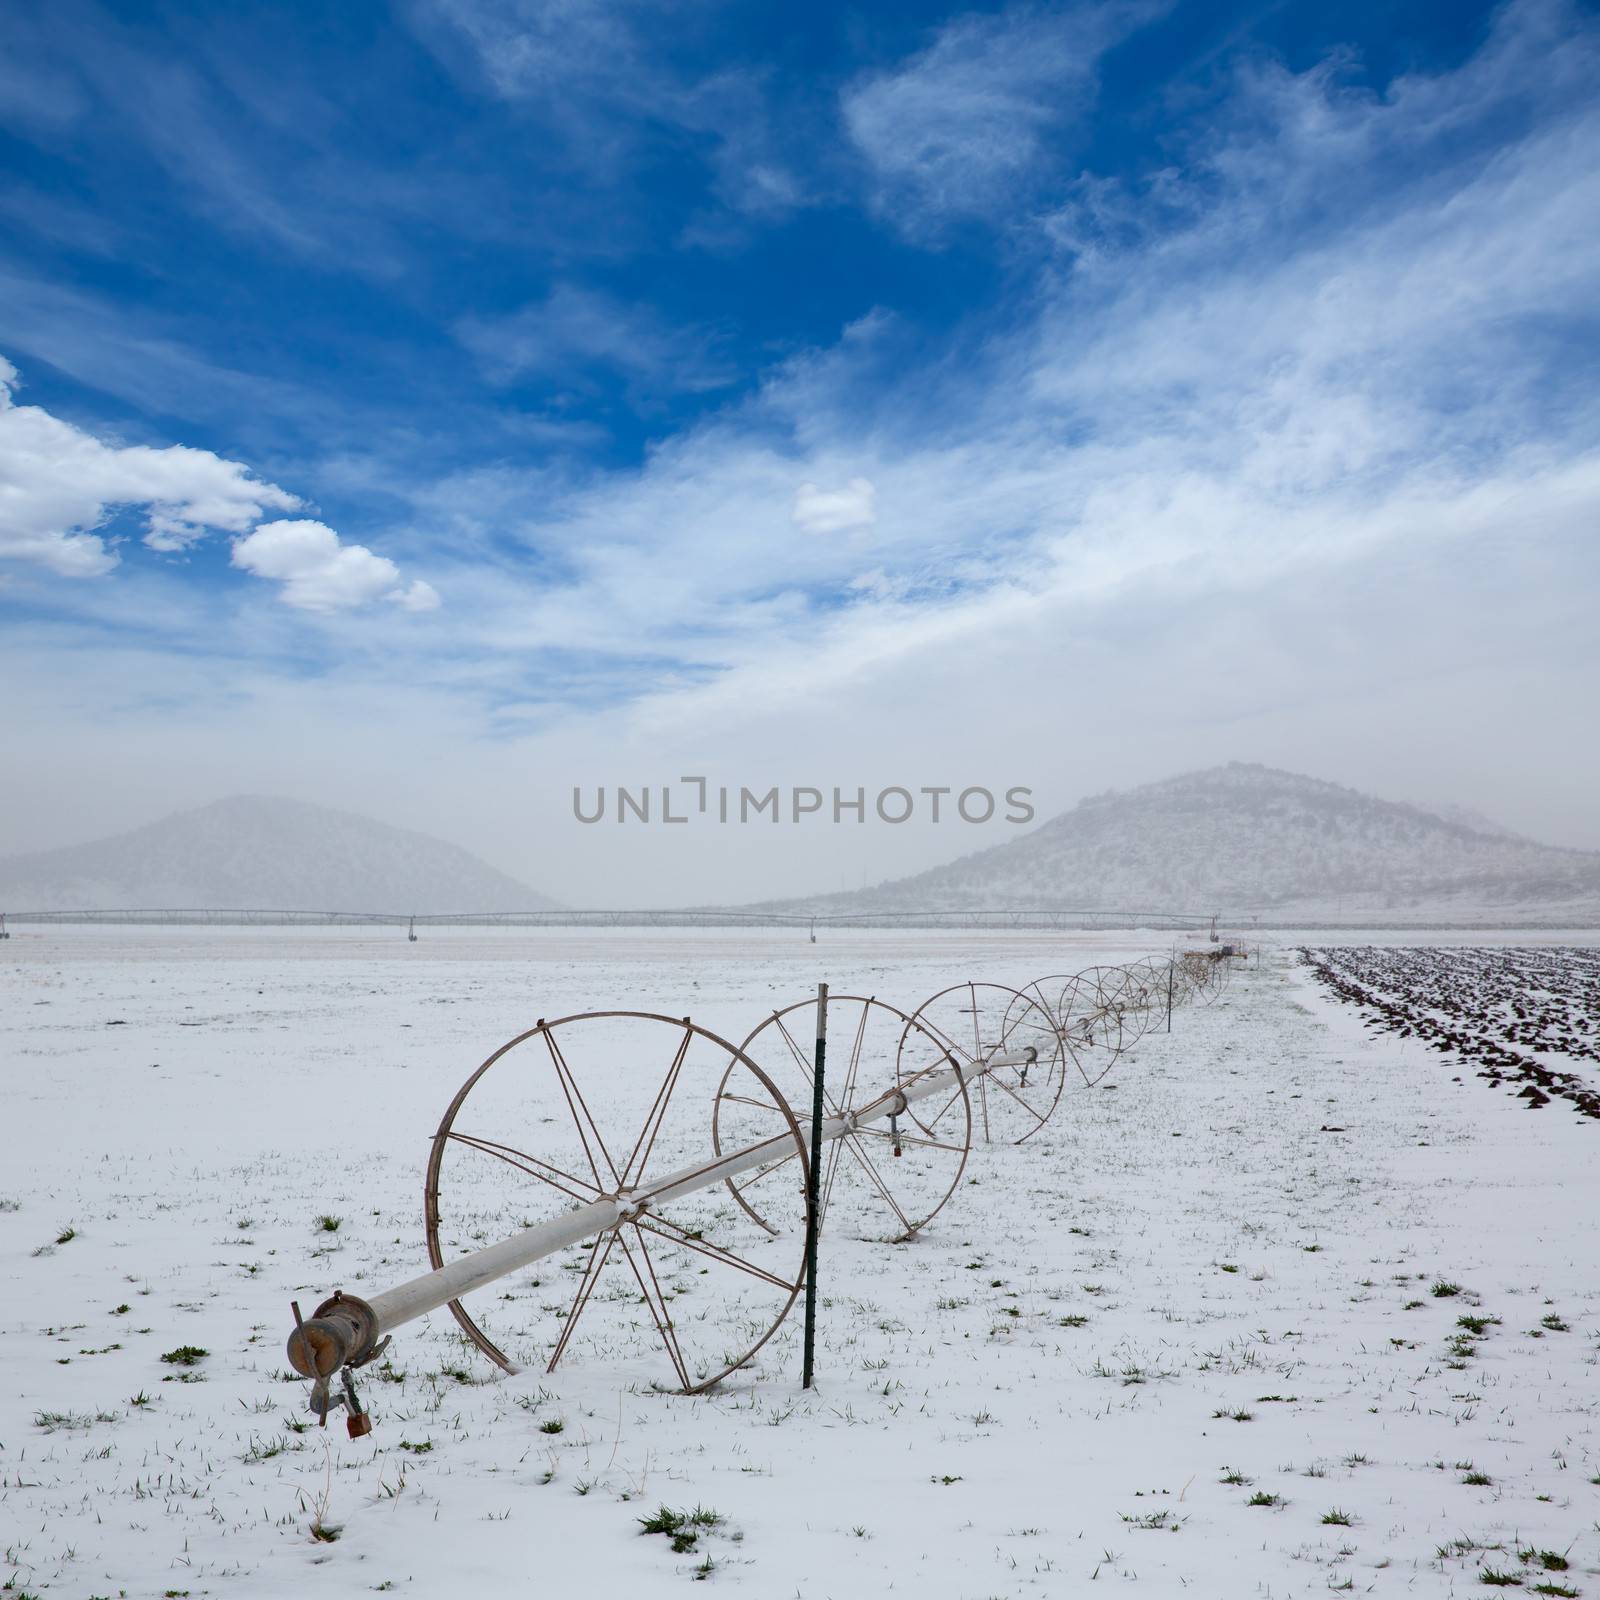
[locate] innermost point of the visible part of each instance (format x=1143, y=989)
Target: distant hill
x=1475, y=820
x=1248, y=839
x=260, y=853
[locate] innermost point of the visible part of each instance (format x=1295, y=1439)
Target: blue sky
x=330, y=209
x=532, y=392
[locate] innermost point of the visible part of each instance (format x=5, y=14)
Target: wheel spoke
x=765, y=1172
x=849, y=1094
x=830, y=1103
x=1006, y=1089
x=848, y=1097
x=578, y=1188
x=827, y=1181
x=588, y=1129
x=942, y=1039
x=875, y=1178
x=909, y=1138
x=656, y=1115
x=650, y=1288
x=1077, y=1063
x=930, y=1123
x=794, y=1049
x=1035, y=1027
x=598, y=1252
x=745, y=1100
x=673, y=1234
x=944, y=1061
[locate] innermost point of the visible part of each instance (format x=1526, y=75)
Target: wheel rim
x=606, y=1092
x=902, y=1182
x=977, y=1021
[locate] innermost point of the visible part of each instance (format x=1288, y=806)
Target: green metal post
x=814, y=1185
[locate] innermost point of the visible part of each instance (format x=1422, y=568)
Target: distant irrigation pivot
x=711, y=1221
x=1021, y=918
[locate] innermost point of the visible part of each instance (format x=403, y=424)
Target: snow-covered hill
x=256, y=852
x=1246, y=839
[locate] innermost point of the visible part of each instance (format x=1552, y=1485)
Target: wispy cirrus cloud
x=606, y=77
x=561, y=51
x=139, y=359
x=212, y=119
x=183, y=118
x=574, y=333
x=964, y=127
x=1308, y=353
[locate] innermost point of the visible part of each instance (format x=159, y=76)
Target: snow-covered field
x=1187, y=1339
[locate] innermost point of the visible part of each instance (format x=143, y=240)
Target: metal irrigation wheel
x=1201, y=975
x=1143, y=997
x=1062, y=998
x=598, y=1094
x=1118, y=1007
x=889, y=1167
x=975, y=1023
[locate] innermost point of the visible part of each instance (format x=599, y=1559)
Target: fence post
x=1171, y=963
x=814, y=1185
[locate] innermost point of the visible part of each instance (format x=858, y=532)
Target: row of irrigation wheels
x=713, y=1271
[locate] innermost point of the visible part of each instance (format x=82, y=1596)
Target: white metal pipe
x=434, y=1289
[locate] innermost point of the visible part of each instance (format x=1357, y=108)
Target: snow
x=1246, y=1210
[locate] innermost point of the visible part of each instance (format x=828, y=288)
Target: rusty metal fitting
x=343, y=1331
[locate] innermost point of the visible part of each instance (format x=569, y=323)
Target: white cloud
x=834, y=510
x=416, y=596
x=548, y=48
x=1312, y=347
x=957, y=128
x=573, y=330
x=606, y=80
x=58, y=484
x=319, y=572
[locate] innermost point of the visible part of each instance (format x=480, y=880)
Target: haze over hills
x=1248, y=839
x=263, y=853
x=1240, y=839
